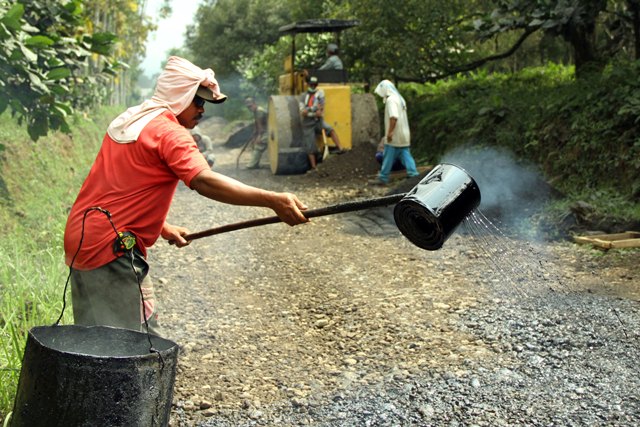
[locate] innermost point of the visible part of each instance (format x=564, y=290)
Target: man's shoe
x=377, y=183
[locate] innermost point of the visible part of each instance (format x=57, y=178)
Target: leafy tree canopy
x=59, y=55
x=43, y=53
x=415, y=40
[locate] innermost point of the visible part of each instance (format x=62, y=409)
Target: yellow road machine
x=353, y=116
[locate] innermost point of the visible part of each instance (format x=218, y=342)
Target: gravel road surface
x=343, y=322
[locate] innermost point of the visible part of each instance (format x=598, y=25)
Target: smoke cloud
x=512, y=190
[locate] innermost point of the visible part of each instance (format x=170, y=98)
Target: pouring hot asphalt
x=427, y=215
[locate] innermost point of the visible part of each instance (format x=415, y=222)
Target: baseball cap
x=207, y=94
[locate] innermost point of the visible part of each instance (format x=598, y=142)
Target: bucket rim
x=170, y=345
x=461, y=168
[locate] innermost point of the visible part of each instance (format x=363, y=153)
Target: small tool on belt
x=125, y=242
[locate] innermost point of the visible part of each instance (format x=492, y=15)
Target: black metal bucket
x=94, y=376
x=433, y=209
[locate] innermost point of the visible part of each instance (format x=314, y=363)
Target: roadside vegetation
x=38, y=184
x=581, y=134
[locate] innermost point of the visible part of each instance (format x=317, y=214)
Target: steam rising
x=511, y=190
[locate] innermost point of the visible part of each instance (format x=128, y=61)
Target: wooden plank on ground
x=628, y=239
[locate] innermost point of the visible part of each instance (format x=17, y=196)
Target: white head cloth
x=385, y=89
x=175, y=90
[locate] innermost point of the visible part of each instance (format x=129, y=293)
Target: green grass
x=38, y=184
x=31, y=296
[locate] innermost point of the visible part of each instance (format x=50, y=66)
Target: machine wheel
x=286, y=152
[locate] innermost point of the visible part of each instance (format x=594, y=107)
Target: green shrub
x=583, y=134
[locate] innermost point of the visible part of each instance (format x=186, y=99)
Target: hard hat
x=332, y=48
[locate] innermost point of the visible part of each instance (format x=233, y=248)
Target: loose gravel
x=343, y=322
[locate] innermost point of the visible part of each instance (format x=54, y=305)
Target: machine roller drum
x=287, y=155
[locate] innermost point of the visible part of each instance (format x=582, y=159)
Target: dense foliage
x=582, y=133
x=57, y=56
x=417, y=40
x=42, y=56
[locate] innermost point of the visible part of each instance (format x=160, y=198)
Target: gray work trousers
x=110, y=296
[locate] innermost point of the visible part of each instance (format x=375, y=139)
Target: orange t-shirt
x=135, y=182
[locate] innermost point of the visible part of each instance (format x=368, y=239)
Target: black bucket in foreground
x=94, y=376
x=433, y=209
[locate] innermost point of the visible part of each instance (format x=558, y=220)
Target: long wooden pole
x=312, y=213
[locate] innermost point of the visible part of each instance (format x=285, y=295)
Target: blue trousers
x=390, y=155
x=397, y=165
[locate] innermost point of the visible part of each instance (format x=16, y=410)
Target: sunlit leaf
x=73, y=7
x=58, y=73
x=102, y=43
x=13, y=17
x=54, y=62
x=29, y=28
x=37, y=82
x=39, y=41
x=103, y=37
x=64, y=108
x=59, y=89
x=4, y=32
x=30, y=55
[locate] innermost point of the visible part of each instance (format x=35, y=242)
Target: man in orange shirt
x=123, y=204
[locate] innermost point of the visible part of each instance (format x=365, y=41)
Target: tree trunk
x=634, y=10
x=580, y=32
x=582, y=40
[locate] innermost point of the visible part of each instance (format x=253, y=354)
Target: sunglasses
x=199, y=102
